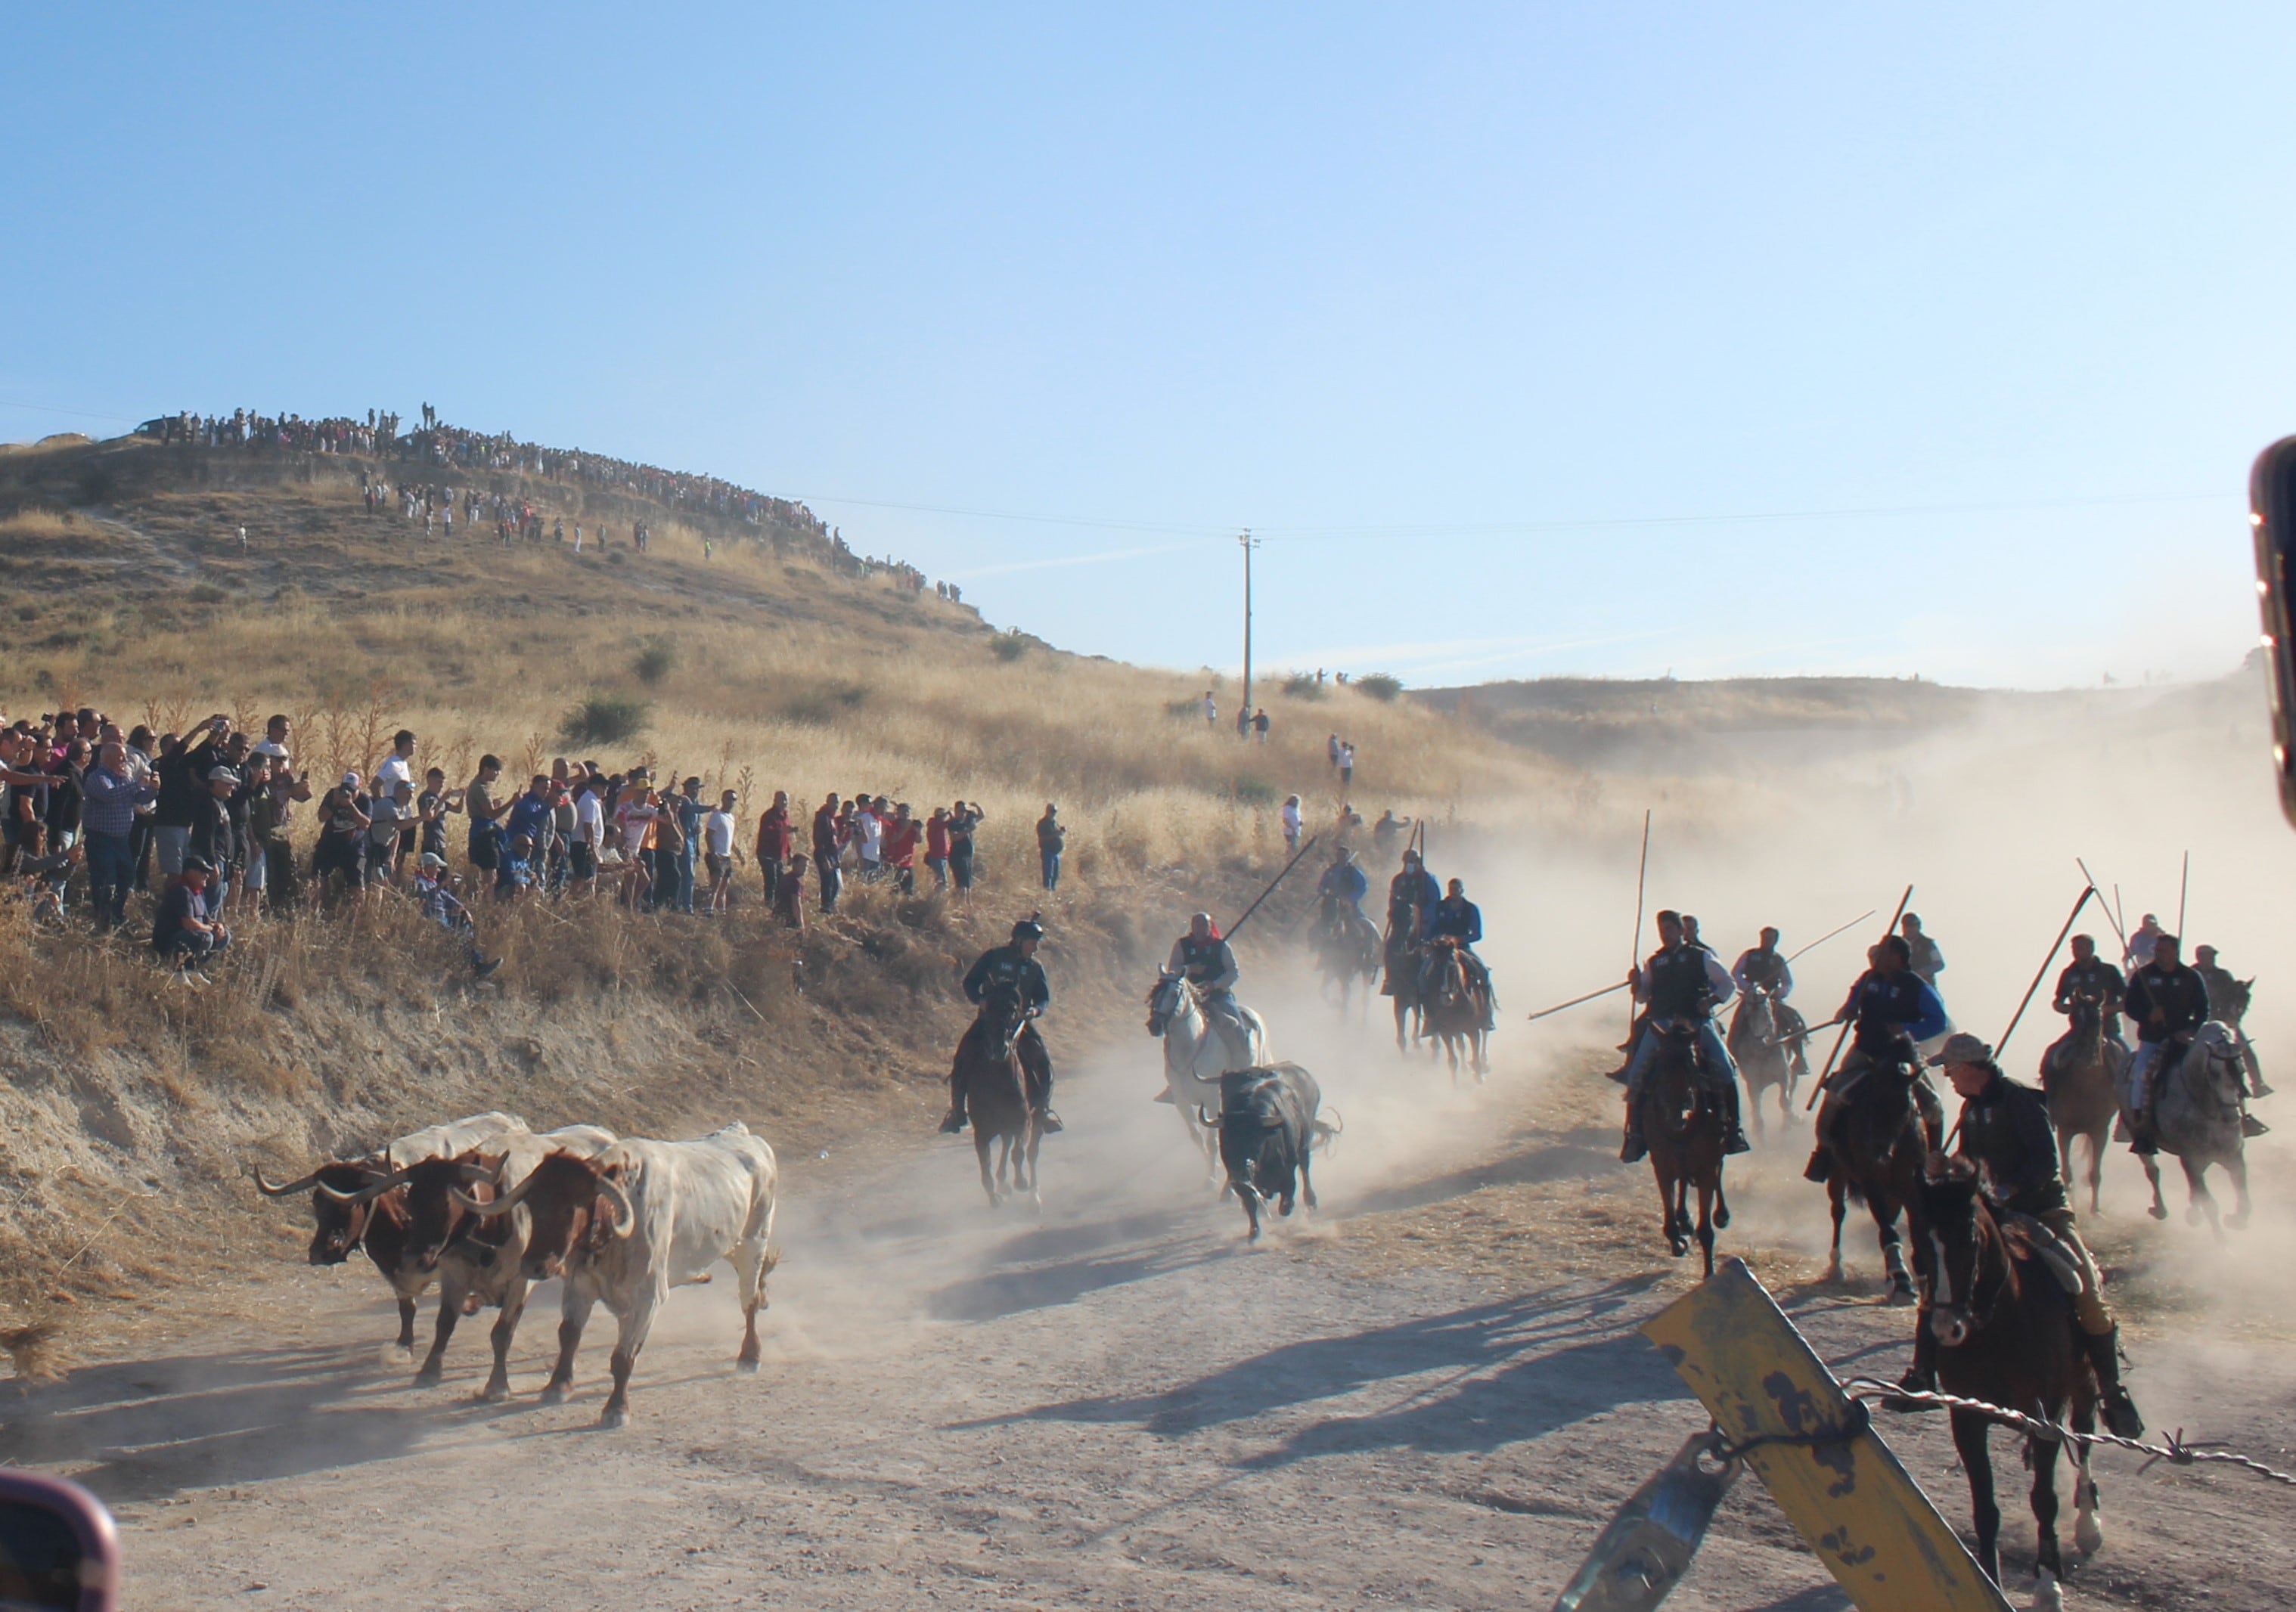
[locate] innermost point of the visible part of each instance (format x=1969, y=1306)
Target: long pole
x=1635, y=946
x=1229, y=934
x=2184, y=883
x=1830, y=934
x=1245, y=714
x=2107, y=911
x=1575, y=1001
x=1842, y=1039
x=2016, y=1017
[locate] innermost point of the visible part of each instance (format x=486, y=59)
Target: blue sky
x=1532, y=339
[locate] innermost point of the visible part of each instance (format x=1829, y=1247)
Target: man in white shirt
x=589, y=833
x=717, y=853
x=393, y=770
x=1291, y=823
x=869, y=837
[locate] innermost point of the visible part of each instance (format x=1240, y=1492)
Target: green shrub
x=822, y=705
x=1254, y=791
x=1009, y=645
x=605, y=719
x=1302, y=685
x=1379, y=686
x=655, y=659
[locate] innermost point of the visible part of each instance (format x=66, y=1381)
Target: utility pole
x=1243, y=714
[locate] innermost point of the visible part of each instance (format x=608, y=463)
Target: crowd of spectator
x=206, y=822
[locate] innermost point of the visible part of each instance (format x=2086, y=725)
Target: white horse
x=1196, y=1054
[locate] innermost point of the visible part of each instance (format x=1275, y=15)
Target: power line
x=47, y=408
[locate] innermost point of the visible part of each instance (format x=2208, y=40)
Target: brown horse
x=2005, y=1330
x=1881, y=1140
x=2081, y=1074
x=1347, y=950
x=1683, y=1122
x=1454, y=1008
x=1400, y=980
x=996, y=1094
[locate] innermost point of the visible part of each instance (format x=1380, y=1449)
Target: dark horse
x=1401, y=981
x=1882, y=1137
x=1347, y=949
x=2081, y=1073
x=2005, y=1330
x=1684, y=1122
x=1453, y=1009
x=996, y=1092
x=1759, y=1047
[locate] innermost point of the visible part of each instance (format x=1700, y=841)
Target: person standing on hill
x=776, y=838
x=1928, y=960
x=1052, y=839
x=828, y=843
x=1211, y=712
x=1347, y=764
x=964, y=821
x=937, y=847
x=1260, y=724
x=690, y=810
x=485, y=812
x=901, y=835
x=1291, y=817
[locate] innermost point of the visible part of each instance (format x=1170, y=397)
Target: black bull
x=1270, y=1122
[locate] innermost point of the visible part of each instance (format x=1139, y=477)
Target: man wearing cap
x=182, y=932
x=1681, y=982
x=2004, y=1130
x=1016, y=964
x=1411, y=895
x=443, y=907
x=213, y=837
x=1209, y=963
x=1455, y=918
x=1894, y=1010
x=2167, y=1001
x=2228, y=1005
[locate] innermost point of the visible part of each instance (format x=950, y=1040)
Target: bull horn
x=370, y=1192
x=500, y=1205
x=626, y=1215
x=478, y=1172
x=291, y=1188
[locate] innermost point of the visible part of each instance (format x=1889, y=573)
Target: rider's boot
x=1734, y=1140
x=2119, y=1411
x=2251, y=1126
x=1819, y=1170
x=2143, y=1132
x=1921, y=1377
x=954, y=1121
x=1165, y=1095
x=1634, y=1149
x=1047, y=1121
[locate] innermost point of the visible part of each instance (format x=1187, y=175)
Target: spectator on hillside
x=515, y=876
x=212, y=838
x=1347, y=763
x=1383, y=831
x=901, y=847
x=443, y=907
x=486, y=814
x=341, y=849
x=1260, y=724
x=269, y=838
x=1052, y=839
x=937, y=847
x=254, y=866
x=1331, y=744
x=776, y=840
x=182, y=932
x=392, y=770
x=1291, y=817
x=868, y=837
x=828, y=841
x=692, y=809
x=789, y=895
x=635, y=814
x=142, y=744
x=108, y=819
x=964, y=819
x=559, y=857
x=668, y=851
x=717, y=853
x=66, y=797
x=182, y=774
x=431, y=807
x=389, y=809
x=589, y=843
x=1211, y=712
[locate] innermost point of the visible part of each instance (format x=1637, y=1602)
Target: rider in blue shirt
x=1342, y=888
x=1455, y=918
x=1894, y=1010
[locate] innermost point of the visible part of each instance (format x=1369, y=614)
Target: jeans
x=1713, y=1058
x=940, y=866
x=175, y=842
x=1052, y=861
x=686, y=877
x=139, y=841
x=110, y=870
x=832, y=882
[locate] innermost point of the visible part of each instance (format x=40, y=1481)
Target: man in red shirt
x=937, y=847
x=776, y=838
x=901, y=847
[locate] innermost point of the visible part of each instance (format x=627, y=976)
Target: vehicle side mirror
x=59, y=1551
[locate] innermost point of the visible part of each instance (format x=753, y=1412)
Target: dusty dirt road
x=1110, y=1403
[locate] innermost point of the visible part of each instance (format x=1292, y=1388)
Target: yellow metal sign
x=1860, y=1511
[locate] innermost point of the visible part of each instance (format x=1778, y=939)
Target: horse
x=1347, y=948
x=1401, y=981
x=2197, y=1112
x=2005, y=1334
x=1683, y=1122
x=1757, y=1047
x=996, y=1094
x=2081, y=1074
x=1454, y=1008
x=1880, y=1148
x=1196, y=1055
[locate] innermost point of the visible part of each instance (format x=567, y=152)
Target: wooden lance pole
x=1842, y=1039
x=1635, y=946
x=2002, y=1045
x=2184, y=883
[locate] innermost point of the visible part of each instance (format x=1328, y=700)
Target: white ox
x=640, y=1218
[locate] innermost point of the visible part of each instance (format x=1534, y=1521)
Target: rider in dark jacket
x=2167, y=1001
x=1681, y=982
x=1014, y=964
x=1893, y=1009
x=1455, y=918
x=2089, y=974
x=2004, y=1130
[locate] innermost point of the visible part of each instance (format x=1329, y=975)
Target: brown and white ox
x=640, y=1218
x=361, y=1202
x=480, y=1260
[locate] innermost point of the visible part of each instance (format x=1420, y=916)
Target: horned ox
x=480, y=1261
x=360, y=1202
x=641, y=1217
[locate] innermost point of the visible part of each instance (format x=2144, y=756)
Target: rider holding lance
x=1411, y=895
x=1016, y=964
x=1894, y=1008
x=2004, y=1130
x=2227, y=1005
x=1209, y=965
x=1681, y=982
x=2087, y=974
x=1455, y=918
x=1342, y=889
x=2167, y=1001
x=1763, y=968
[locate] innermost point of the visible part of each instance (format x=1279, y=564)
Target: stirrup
x=2251, y=1126
x=1634, y=1150
x=1819, y=1170
x=1048, y=1122
x=1736, y=1142
x=952, y=1124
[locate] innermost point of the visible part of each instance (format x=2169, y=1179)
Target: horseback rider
x=2004, y=1130
x=1763, y=968
x=1342, y=889
x=2087, y=974
x=1208, y=964
x=1455, y=918
x=2137, y=955
x=2167, y=1000
x=1014, y=964
x=1894, y=1009
x=1411, y=895
x=2228, y=1005
x=1927, y=960
x=1681, y=982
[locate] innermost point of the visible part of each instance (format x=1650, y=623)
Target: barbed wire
x=2177, y=1449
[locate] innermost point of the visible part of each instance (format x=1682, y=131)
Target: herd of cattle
x=486, y=1207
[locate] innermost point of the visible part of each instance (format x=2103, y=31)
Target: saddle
x=2047, y=1248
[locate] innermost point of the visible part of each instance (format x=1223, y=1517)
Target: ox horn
x=626, y=1217
x=500, y=1205
x=369, y=1192
x=292, y=1187
x=475, y=1172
